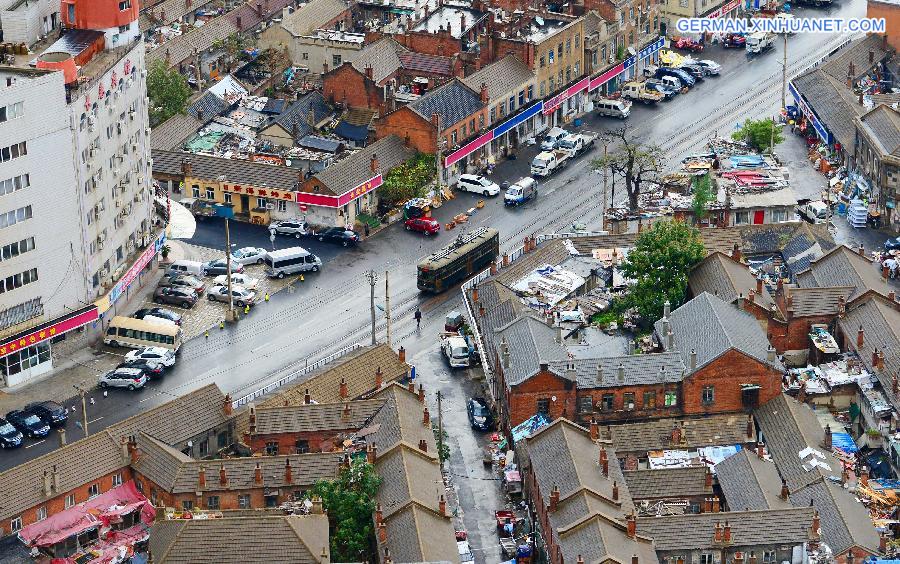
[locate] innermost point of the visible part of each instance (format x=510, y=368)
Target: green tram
x=467, y=255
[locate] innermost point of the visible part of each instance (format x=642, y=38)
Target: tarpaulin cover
x=355, y=133
x=99, y=511
x=844, y=442
x=529, y=426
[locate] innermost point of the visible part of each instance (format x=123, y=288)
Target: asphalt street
x=330, y=310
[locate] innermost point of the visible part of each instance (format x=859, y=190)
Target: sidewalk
x=75, y=361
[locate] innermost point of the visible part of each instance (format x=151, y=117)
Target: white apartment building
x=75, y=195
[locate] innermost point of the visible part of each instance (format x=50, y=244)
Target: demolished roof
x=313, y=15
x=843, y=266
x=722, y=276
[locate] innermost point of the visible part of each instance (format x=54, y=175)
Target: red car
x=425, y=225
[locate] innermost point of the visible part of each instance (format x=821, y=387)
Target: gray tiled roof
x=453, y=101
x=400, y=420
x=750, y=482
x=711, y=327
x=724, y=277
x=298, y=114
x=748, y=529
x=530, y=342
x=416, y=534
x=174, y=131
x=158, y=461
x=351, y=171
x=667, y=483
x=382, y=56
x=263, y=539
x=818, y=301
x=857, y=52
x=844, y=267
x=880, y=321
x=409, y=475
x=640, y=369
x=313, y=15
x=173, y=9
x=240, y=473
x=656, y=434
x=832, y=101
x=249, y=15
x=182, y=47
x=210, y=168
x=209, y=104
x=507, y=75
x=789, y=428
x=598, y=539
x=883, y=125
x=315, y=417
x=845, y=522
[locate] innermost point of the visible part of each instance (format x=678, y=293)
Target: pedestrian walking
x=267, y=297
x=247, y=309
x=366, y=229
x=418, y=316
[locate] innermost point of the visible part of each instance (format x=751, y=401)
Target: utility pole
x=229, y=316
x=372, y=278
x=437, y=155
x=605, y=183
x=387, y=309
x=440, y=430
x=81, y=390
x=772, y=139
x=784, y=75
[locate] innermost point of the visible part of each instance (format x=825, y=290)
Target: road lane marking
x=36, y=444
x=95, y=420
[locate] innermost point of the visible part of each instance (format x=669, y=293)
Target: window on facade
x=11, y=111
x=671, y=399
x=195, y=191
x=472, y=126
x=649, y=400
x=559, y=49
x=281, y=205
x=543, y=405
x=493, y=114
x=210, y=193
x=272, y=448
x=187, y=505
x=708, y=395
x=336, y=60
x=13, y=250
x=628, y=402
x=41, y=513
x=568, y=74
x=301, y=446
x=227, y=197
x=769, y=556
x=543, y=90
x=124, y=5
x=568, y=45
x=542, y=63
x=261, y=203
x=243, y=501
x=10, y=283
x=13, y=151
x=779, y=215
x=70, y=500
x=530, y=91
x=706, y=558
x=577, y=69
x=552, y=85
x=585, y=404
x=453, y=138
x=93, y=489
x=741, y=217
x=15, y=524
x=223, y=439
x=117, y=480
x=606, y=403
x=550, y=56
x=577, y=40
x=212, y=502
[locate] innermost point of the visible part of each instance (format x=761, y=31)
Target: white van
x=815, y=212
x=613, y=108
x=552, y=139
x=185, y=267
x=520, y=192
x=293, y=260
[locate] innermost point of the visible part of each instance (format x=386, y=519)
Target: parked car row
x=299, y=228
x=34, y=420
x=138, y=367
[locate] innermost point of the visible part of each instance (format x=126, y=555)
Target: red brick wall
x=57, y=504
x=620, y=413
x=346, y=85
x=522, y=399
x=321, y=441
x=228, y=499
x=793, y=334
x=726, y=374
x=405, y=122
x=891, y=15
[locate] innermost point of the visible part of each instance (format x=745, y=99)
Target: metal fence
x=269, y=388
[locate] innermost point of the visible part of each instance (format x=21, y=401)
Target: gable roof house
x=301, y=118
x=876, y=153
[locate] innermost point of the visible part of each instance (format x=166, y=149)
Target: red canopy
x=98, y=512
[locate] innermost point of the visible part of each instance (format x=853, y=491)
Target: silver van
x=185, y=267
x=613, y=108
x=293, y=260
x=552, y=138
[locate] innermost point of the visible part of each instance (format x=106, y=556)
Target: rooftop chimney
x=600, y=373
x=257, y=474
x=62, y=436
x=770, y=354
x=373, y=163
x=595, y=434
x=288, y=472
x=861, y=250
x=307, y=399
x=54, y=478
x=751, y=296
x=670, y=340
x=620, y=373
x=615, y=491
x=426, y=417
x=717, y=532
x=827, y=441
x=201, y=477
x=814, y=533
x=484, y=93
x=750, y=426
x=227, y=407
x=342, y=390
x=784, y=490
x=378, y=378
x=554, y=498
x=631, y=525
x=760, y=450
x=423, y=445
x=48, y=485
x=345, y=413
x=421, y=393
x=726, y=533
x=379, y=514
x=707, y=480
x=759, y=285
x=132, y=449
x=860, y=338
x=223, y=479
x=316, y=508
x=401, y=354
x=372, y=453
x=442, y=505
x=252, y=420
x=369, y=74
x=693, y=359
x=604, y=463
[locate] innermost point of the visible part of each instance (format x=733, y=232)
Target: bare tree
x=638, y=164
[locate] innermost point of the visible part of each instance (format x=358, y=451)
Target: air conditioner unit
x=270, y=206
x=104, y=272
x=120, y=157
x=131, y=114
x=148, y=131
x=141, y=179
x=93, y=152
x=630, y=405
x=100, y=247
x=116, y=173
x=137, y=198
x=118, y=203
x=134, y=147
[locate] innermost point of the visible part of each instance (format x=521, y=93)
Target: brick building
x=693, y=484
x=314, y=36
x=890, y=11
x=310, y=427
x=876, y=152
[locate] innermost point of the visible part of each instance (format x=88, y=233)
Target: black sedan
x=152, y=369
x=340, y=235
x=10, y=437
x=892, y=244
x=480, y=416
x=220, y=266
x=28, y=423
x=160, y=312
x=50, y=412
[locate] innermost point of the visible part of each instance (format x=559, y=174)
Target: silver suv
x=295, y=227
x=131, y=378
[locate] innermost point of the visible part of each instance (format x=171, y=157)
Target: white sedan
x=239, y=279
x=248, y=255
x=155, y=354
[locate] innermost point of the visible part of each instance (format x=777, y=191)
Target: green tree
x=350, y=502
x=761, y=135
x=659, y=265
x=703, y=195
x=408, y=180
x=637, y=164
x=442, y=446
x=168, y=92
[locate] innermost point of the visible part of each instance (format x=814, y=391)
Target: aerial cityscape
x=449, y=281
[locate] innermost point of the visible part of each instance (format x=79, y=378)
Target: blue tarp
x=529, y=426
x=356, y=133
x=746, y=161
x=844, y=442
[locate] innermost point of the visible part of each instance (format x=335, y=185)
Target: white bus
x=137, y=333
x=293, y=260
